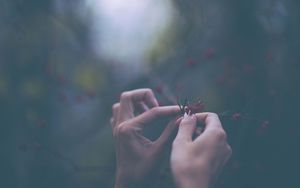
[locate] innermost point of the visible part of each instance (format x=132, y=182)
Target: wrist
x=122, y=181
x=192, y=182
x=193, y=178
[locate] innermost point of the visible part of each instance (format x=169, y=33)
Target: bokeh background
x=63, y=63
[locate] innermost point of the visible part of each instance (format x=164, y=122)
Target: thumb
x=187, y=128
x=168, y=133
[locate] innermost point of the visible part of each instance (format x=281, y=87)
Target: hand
x=138, y=157
x=196, y=163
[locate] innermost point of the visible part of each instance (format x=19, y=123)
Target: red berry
x=41, y=123
x=91, y=93
x=62, y=80
x=191, y=63
x=236, y=116
x=263, y=128
x=195, y=108
x=265, y=125
x=209, y=53
x=221, y=79
x=79, y=99
x=48, y=70
x=158, y=89
x=179, y=87
x=248, y=69
x=270, y=57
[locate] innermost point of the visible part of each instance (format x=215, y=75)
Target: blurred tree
x=239, y=57
x=46, y=68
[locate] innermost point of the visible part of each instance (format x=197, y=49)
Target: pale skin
x=197, y=163
x=138, y=158
x=194, y=163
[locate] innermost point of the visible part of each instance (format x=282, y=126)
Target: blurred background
x=63, y=63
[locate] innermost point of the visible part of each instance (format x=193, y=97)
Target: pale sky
x=125, y=30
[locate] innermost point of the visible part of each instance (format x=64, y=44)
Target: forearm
x=130, y=182
x=192, y=183
x=193, y=178
x=123, y=182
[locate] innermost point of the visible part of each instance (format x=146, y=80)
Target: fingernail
x=188, y=116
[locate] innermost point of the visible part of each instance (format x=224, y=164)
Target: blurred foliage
x=240, y=57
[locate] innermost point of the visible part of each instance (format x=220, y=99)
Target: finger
x=115, y=110
x=155, y=113
x=129, y=97
x=186, y=128
x=111, y=121
x=141, y=107
x=229, y=150
x=166, y=135
x=213, y=129
x=225, y=160
x=211, y=120
x=198, y=131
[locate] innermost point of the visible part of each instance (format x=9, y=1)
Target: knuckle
x=126, y=95
x=229, y=149
x=149, y=91
x=176, y=143
x=116, y=106
x=220, y=134
x=155, y=111
x=179, y=142
x=123, y=129
x=214, y=115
